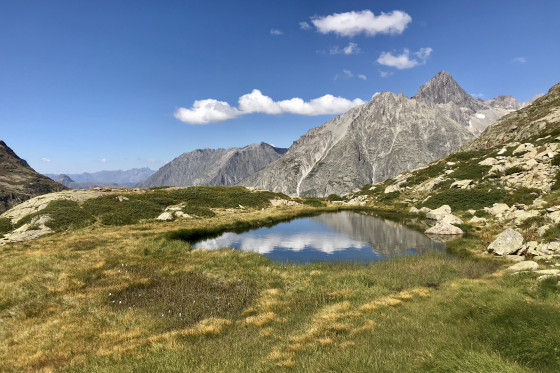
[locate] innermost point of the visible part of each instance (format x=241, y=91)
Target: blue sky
x=104, y=85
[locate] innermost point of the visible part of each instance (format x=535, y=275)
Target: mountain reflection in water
x=343, y=236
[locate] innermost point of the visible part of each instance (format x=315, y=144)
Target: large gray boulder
x=439, y=213
x=444, y=229
x=507, y=242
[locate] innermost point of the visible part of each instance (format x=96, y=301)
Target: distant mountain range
x=19, y=182
x=214, y=166
x=103, y=179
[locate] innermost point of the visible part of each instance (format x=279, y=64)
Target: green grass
x=522, y=195
x=552, y=233
x=64, y=215
x=388, y=197
x=513, y=170
x=334, y=197
x=424, y=174
x=314, y=202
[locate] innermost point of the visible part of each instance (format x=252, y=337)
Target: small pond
x=343, y=236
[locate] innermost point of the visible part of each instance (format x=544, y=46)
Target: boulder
x=527, y=265
x=523, y=148
x=166, y=216
x=439, y=213
x=554, y=217
x=450, y=219
x=392, y=188
x=515, y=258
x=444, y=229
x=425, y=210
x=507, y=242
x=413, y=210
x=477, y=220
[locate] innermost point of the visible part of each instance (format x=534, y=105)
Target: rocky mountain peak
x=8, y=157
x=442, y=89
x=64, y=179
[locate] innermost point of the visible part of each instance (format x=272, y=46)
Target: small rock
x=555, y=217
x=122, y=198
x=392, y=188
x=444, y=229
x=413, y=210
x=542, y=230
x=477, y=220
x=507, y=242
x=472, y=212
x=461, y=184
x=497, y=209
x=553, y=272
x=502, y=151
x=527, y=265
x=523, y=148
x=166, y=216
x=425, y=210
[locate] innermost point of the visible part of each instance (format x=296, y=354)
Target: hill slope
x=19, y=182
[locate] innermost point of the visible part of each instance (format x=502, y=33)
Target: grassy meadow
x=133, y=298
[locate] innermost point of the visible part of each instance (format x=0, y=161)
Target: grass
x=137, y=298
x=425, y=174
x=5, y=226
x=470, y=172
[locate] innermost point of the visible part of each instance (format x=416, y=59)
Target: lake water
x=342, y=236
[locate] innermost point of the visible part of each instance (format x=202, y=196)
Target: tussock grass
x=227, y=310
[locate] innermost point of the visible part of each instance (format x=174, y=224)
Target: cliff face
x=19, y=182
x=207, y=167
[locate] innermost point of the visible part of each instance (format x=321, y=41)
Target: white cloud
x=362, y=76
x=103, y=160
x=348, y=73
x=207, y=111
x=351, y=48
x=304, y=26
x=276, y=32
x=519, y=60
x=46, y=160
x=213, y=111
x=256, y=102
x=354, y=23
x=385, y=74
x=404, y=60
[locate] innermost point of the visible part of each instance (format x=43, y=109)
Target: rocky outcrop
x=542, y=116
x=208, y=167
x=19, y=182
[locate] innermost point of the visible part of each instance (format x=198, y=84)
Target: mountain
x=19, y=182
x=104, y=179
x=379, y=140
x=444, y=92
x=542, y=116
x=209, y=167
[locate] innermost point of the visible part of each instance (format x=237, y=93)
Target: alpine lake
x=346, y=236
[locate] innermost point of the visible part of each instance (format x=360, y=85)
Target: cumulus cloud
x=405, y=60
x=351, y=48
x=207, y=111
x=362, y=76
x=519, y=60
x=276, y=32
x=304, y=26
x=354, y=23
x=256, y=102
x=213, y=111
x=46, y=160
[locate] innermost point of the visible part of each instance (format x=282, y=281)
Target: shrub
x=470, y=171
x=5, y=226
x=513, y=170
x=523, y=195
x=467, y=156
x=556, y=160
x=334, y=197
x=388, y=197
x=464, y=199
x=425, y=174
x=314, y=202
